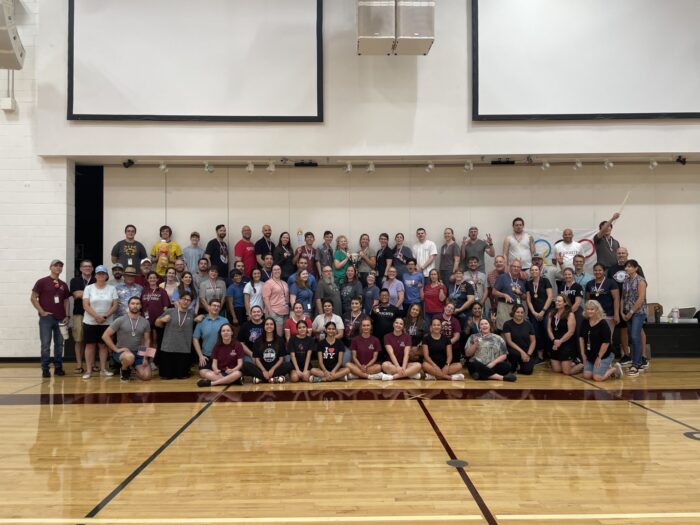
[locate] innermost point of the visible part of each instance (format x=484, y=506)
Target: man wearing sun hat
x=50, y=299
x=127, y=290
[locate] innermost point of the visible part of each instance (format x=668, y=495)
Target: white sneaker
x=387, y=377
x=416, y=376
x=87, y=375
x=428, y=377
x=153, y=366
x=375, y=377
x=106, y=373
x=617, y=371
x=256, y=380
x=457, y=377
x=352, y=376
x=281, y=379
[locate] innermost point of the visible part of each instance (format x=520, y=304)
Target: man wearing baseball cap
x=146, y=266
x=50, y=299
x=117, y=275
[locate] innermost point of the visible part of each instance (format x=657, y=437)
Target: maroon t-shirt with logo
x=399, y=344
x=52, y=293
x=365, y=348
x=227, y=356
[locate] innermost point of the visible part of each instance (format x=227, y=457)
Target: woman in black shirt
x=520, y=340
x=438, y=360
x=594, y=344
x=330, y=357
x=269, y=365
x=300, y=347
x=539, y=299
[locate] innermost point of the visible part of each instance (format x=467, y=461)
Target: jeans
x=48, y=327
x=634, y=331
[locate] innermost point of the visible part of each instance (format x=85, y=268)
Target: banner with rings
x=546, y=239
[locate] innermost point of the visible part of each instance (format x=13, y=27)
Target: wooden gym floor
x=547, y=449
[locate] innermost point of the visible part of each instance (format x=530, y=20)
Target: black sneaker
x=204, y=382
x=59, y=372
x=626, y=360
x=45, y=372
x=125, y=374
x=510, y=377
x=645, y=364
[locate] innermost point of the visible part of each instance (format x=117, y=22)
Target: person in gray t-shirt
x=133, y=334
x=472, y=246
x=174, y=355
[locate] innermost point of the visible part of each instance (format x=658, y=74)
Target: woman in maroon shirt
x=398, y=345
x=154, y=301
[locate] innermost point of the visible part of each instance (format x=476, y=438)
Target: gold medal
x=535, y=296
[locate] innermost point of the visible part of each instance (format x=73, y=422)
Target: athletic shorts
x=93, y=333
x=116, y=356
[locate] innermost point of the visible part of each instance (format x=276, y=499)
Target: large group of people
x=328, y=312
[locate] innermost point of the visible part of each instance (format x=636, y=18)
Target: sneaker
x=626, y=360
x=79, y=371
x=273, y=380
x=59, y=371
x=457, y=377
x=633, y=371
x=256, y=380
x=106, y=373
x=45, y=372
x=353, y=376
x=429, y=377
x=153, y=366
x=95, y=368
x=475, y=376
x=316, y=379
x=345, y=378
x=643, y=366
x=416, y=376
x=125, y=375
x=375, y=377
x=87, y=375
x=512, y=378
x=387, y=377
x=281, y=379
x=204, y=383
x=617, y=371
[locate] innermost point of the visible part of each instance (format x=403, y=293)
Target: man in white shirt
x=425, y=252
x=566, y=249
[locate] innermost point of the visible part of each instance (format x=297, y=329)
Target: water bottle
x=300, y=237
x=675, y=314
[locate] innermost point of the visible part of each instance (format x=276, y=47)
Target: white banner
x=546, y=239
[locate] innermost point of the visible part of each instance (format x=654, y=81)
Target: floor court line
x=102, y=504
x=27, y=388
x=488, y=516
x=358, y=519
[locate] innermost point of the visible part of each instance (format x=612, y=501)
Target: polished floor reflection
x=547, y=449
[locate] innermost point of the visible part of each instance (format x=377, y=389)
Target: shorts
x=93, y=333
x=77, y=330
x=279, y=319
x=138, y=359
x=604, y=365
x=207, y=365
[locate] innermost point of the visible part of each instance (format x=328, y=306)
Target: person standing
x=117, y=275
x=634, y=312
x=212, y=288
x=264, y=246
x=472, y=246
x=477, y=279
x=127, y=290
x=193, y=253
x=100, y=301
x=308, y=252
x=165, y=251
x=174, y=354
x=566, y=249
x=519, y=245
x=50, y=299
x=217, y=251
x=324, y=253
x=77, y=285
x=367, y=259
x=245, y=251
x=275, y=293
x=341, y=259
x=449, y=256
x=128, y=251
x=425, y=252
x=605, y=245
x=401, y=254
x=539, y=297
x=154, y=301
x=384, y=257
x=327, y=290
x=604, y=290
x=508, y=290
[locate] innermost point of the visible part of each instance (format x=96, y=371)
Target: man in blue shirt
x=303, y=264
x=413, y=283
x=208, y=331
x=509, y=290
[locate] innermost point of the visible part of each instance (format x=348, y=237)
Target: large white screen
x=209, y=58
x=588, y=58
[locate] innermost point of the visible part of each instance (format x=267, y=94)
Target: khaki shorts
x=77, y=329
x=503, y=313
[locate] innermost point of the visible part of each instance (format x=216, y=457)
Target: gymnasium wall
x=659, y=223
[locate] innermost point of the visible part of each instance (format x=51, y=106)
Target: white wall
x=374, y=106
x=659, y=224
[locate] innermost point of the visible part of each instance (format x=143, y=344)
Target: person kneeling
x=330, y=357
x=133, y=339
x=488, y=356
x=594, y=343
x=226, y=361
x=437, y=355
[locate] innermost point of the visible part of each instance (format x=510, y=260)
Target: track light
x=429, y=168
x=545, y=165
x=271, y=167
x=370, y=167
x=128, y=163
x=578, y=165
x=208, y=168
x=250, y=168
x=469, y=166
x=681, y=160
x=348, y=167
x=608, y=164
x=653, y=164
x=163, y=167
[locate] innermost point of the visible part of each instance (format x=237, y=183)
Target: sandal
x=79, y=371
x=95, y=368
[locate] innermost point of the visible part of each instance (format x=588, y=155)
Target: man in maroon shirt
x=50, y=299
x=245, y=250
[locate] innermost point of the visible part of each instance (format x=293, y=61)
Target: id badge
x=517, y=300
x=130, y=262
x=56, y=299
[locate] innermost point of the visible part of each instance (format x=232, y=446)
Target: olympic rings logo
x=546, y=252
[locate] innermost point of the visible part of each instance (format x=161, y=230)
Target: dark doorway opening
x=89, y=214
